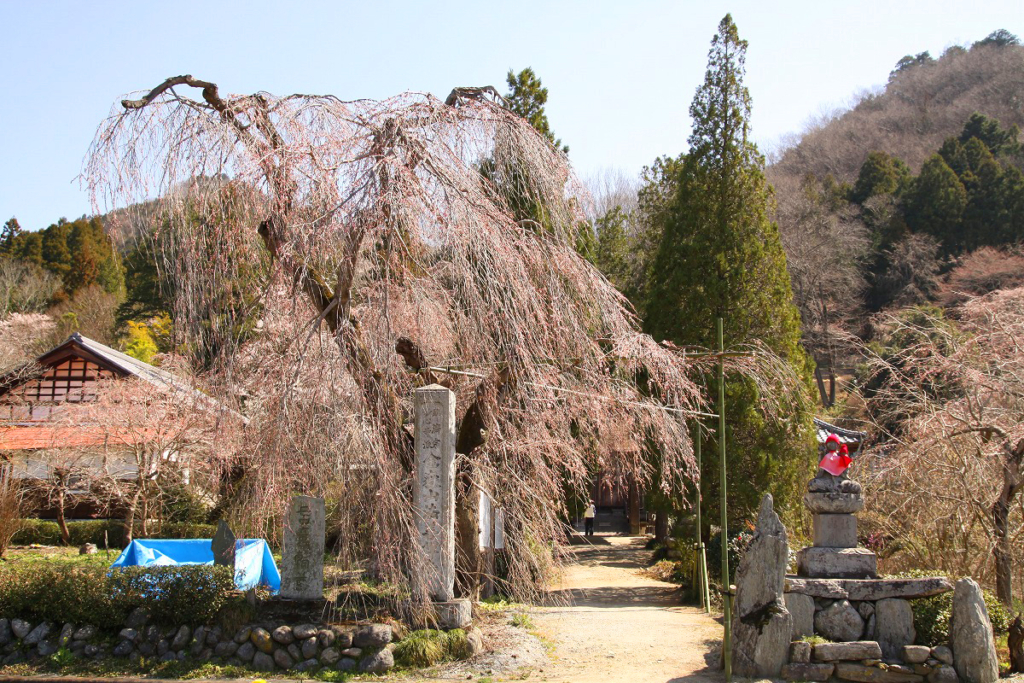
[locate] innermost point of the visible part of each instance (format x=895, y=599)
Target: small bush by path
x=61, y=591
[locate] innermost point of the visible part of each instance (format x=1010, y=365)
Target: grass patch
x=498, y=604
x=44, y=555
x=428, y=647
x=523, y=621
x=815, y=640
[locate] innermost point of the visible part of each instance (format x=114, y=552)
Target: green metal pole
x=701, y=563
x=727, y=593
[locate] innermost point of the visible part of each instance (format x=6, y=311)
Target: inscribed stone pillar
x=302, y=558
x=434, y=488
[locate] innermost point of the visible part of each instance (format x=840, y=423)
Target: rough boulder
x=762, y=626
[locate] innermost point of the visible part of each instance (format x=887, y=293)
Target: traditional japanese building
x=40, y=428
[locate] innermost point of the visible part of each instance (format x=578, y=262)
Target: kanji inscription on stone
x=302, y=558
x=434, y=486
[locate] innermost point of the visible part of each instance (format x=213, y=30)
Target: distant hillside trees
x=923, y=104
x=71, y=271
x=969, y=194
x=77, y=252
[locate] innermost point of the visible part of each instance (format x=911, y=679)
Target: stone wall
x=264, y=647
x=862, y=661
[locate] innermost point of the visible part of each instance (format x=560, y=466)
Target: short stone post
x=434, y=500
x=302, y=558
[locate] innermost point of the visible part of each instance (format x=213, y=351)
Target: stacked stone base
x=862, y=662
x=262, y=647
x=837, y=563
x=859, y=610
x=450, y=614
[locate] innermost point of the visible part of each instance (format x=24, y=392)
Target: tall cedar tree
x=721, y=256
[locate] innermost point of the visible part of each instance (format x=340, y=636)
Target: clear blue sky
x=621, y=74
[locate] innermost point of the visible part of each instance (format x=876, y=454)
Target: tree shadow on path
x=616, y=597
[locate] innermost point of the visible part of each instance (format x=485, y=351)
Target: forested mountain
x=883, y=205
x=925, y=101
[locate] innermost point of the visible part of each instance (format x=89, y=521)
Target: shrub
x=59, y=592
x=37, y=531
x=421, y=649
x=187, y=594
x=63, y=591
x=931, y=615
x=737, y=545
x=458, y=644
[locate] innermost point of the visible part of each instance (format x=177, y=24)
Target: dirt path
x=621, y=625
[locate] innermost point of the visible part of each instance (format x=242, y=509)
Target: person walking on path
x=588, y=519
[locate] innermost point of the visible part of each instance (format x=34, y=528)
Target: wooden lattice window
x=70, y=381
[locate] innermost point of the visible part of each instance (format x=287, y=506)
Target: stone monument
x=302, y=558
x=867, y=621
x=434, y=500
x=762, y=627
x=833, y=500
x=223, y=545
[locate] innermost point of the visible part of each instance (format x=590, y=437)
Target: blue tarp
x=254, y=565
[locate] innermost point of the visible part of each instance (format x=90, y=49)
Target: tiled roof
x=847, y=436
x=35, y=434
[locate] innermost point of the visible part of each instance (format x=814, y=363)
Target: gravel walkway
x=622, y=625
x=606, y=623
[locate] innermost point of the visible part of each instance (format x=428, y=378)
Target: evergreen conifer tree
x=936, y=203
x=879, y=174
x=721, y=256
x=527, y=97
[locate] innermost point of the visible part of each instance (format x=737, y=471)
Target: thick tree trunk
x=129, y=518
x=145, y=516
x=468, y=556
x=65, y=533
x=1003, y=552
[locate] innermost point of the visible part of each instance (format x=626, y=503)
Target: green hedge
x=59, y=592
x=65, y=592
x=46, y=532
x=186, y=594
